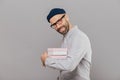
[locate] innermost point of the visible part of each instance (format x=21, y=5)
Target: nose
x=57, y=26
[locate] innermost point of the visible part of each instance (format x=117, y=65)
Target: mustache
x=59, y=28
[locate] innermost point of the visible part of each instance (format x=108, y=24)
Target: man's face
x=60, y=23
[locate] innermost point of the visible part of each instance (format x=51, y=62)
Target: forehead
x=55, y=18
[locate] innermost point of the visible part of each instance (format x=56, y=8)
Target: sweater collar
x=71, y=31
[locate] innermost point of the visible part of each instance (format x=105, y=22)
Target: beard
x=65, y=28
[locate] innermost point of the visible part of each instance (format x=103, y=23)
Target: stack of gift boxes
x=59, y=53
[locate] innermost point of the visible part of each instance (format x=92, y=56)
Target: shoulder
x=79, y=35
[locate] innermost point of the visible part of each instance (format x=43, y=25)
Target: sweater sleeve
x=76, y=51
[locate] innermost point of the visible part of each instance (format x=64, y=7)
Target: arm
x=75, y=54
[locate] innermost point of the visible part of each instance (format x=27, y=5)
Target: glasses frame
x=53, y=25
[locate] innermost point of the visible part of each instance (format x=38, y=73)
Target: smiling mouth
x=61, y=29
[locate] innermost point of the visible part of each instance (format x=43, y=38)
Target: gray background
x=25, y=34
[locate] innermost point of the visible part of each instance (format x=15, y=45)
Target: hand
x=43, y=57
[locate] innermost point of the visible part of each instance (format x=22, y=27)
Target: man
x=77, y=64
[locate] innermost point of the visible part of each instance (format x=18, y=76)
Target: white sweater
x=77, y=64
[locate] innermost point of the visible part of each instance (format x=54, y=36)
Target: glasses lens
x=53, y=25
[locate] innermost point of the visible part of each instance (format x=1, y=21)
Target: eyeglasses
x=59, y=21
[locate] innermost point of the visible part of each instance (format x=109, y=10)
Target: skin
x=61, y=28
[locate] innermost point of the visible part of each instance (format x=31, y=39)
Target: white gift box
x=57, y=52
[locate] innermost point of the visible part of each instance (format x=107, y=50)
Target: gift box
x=57, y=52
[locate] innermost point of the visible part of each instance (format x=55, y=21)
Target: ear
x=67, y=17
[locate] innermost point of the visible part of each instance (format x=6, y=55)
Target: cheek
x=65, y=22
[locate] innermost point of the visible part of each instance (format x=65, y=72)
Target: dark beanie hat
x=54, y=12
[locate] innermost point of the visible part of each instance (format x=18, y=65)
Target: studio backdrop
x=25, y=34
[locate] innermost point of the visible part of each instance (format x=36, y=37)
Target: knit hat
x=54, y=12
